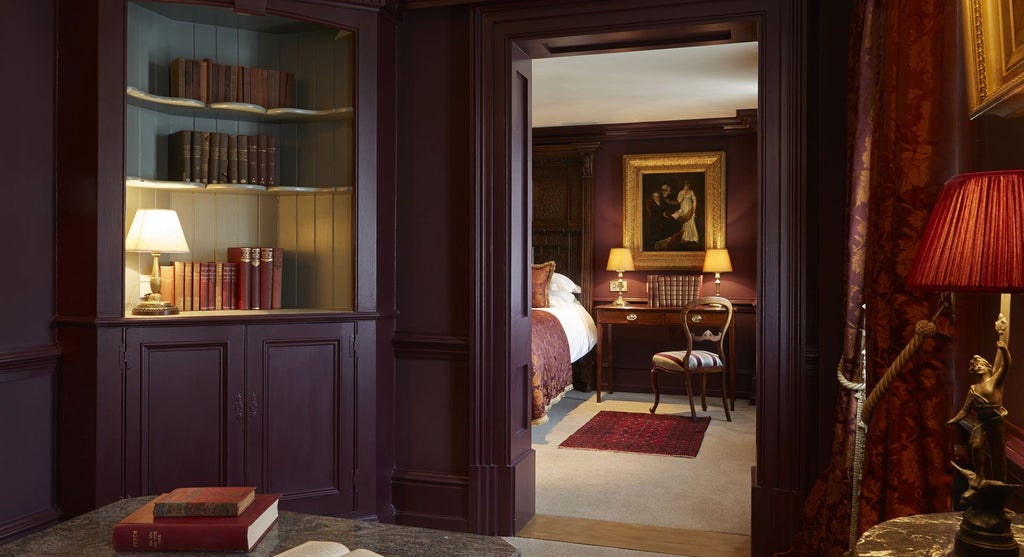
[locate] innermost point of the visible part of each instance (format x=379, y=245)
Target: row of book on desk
x=213, y=518
x=251, y=278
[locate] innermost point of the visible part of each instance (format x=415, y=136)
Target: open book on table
x=326, y=549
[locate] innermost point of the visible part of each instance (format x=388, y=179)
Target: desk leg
x=732, y=364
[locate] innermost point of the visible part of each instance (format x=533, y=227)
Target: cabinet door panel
x=303, y=434
x=185, y=408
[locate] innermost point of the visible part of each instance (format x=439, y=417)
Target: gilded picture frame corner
x=673, y=208
x=993, y=42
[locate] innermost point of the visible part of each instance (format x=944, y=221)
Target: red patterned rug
x=630, y=432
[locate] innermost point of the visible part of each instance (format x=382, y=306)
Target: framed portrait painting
x=993, y=33
x=673, y=208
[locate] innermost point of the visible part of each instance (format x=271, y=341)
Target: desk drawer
x=637, y=317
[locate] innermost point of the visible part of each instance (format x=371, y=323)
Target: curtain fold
x=902, y=114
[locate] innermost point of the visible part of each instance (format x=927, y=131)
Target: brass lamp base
x=620, y=301
x=155, y=307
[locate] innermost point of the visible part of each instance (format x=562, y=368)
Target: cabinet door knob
x=630, y=317
x=697, y=318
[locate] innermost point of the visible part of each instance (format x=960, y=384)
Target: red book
x=266, y=277
x=141, y=531
x=241, y=257
x=218, y=286
x=254, y=278
x=230, y=286
x=205, y=501
x=278, y=276
x=207, y=274
x=197, y=285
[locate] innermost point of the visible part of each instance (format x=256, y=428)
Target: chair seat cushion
x=700, y=360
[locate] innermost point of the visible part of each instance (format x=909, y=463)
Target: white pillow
x=561, y=298
x=560, y=282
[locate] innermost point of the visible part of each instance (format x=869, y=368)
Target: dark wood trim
x=430, y=346
x=33, y=358
x=745, y=122
x=27, y=524
x=423, y=496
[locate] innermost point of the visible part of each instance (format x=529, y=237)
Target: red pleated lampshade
x=974, y=240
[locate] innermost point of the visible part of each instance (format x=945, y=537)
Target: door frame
x=498, y=465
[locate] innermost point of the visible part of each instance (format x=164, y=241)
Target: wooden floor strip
x=674, y=541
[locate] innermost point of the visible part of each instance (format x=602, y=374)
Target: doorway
x=500, y=440
x=679, y=97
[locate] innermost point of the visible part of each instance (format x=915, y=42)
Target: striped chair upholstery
x=692, y=360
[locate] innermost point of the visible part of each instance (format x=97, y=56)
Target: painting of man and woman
x=671, y=215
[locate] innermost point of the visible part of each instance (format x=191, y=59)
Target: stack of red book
x=199, y=519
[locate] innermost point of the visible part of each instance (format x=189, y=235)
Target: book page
x=316, y=549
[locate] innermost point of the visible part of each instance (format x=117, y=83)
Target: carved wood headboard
x=563, y=193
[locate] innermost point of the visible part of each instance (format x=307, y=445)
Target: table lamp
x=619, y=260
x=157, y=231
x=974, y=242
x=716, y=260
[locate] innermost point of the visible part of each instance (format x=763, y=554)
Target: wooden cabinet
x=148, y=403
x=264, y=405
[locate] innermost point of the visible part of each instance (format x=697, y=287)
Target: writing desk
x=608, y=316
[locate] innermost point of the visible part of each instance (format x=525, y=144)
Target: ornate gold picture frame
x=993, y=33
x=673, y=208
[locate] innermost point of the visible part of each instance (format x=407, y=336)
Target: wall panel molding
x=428, y=346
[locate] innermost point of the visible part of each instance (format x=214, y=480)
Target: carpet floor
x=708, y=493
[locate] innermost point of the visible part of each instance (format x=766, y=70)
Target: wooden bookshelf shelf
x=198, y=187
x=237, y=111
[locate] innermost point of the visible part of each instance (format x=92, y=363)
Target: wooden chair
x=705, y=322
x=673, y=290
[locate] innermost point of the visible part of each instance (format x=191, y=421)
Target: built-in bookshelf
x=308, y=210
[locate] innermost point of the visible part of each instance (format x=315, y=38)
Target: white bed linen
x=580, y=329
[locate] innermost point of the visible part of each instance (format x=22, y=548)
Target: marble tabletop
x=919, y=535
x=90, y=534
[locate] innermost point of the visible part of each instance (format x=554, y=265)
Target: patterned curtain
x=902, y=122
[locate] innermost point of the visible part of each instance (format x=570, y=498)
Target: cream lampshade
x=619, y=260
x=156, y=231
x=716, y=260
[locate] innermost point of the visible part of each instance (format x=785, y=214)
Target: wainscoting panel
x=28, y=395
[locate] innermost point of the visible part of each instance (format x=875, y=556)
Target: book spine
x=266, y=278
x=278, y=277
x=179, y=282
x=232, y=159
x=187, y=283
x=218, y=285
x=167, y=283
x=230, y=285
x=179, y=156
x=195, y=68
x=253, y=160
x=261, y=159
x=197, y=285
x=271, y=160
x=204, y=80
x=196, y=160
x=240, y=257
x=178, y=77
x=204, y=162
x=254, y=278
x=178, y=534
x=242, y=142
x=209, y=271
x=222, y=156
x=213, y=172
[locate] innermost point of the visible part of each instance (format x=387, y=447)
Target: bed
x=562, y=332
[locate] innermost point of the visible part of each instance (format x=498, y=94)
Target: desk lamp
x=157, y=231
x=619, y=260
x=716, y=260
x=974, y=242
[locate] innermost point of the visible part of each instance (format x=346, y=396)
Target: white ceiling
x=709, y=81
